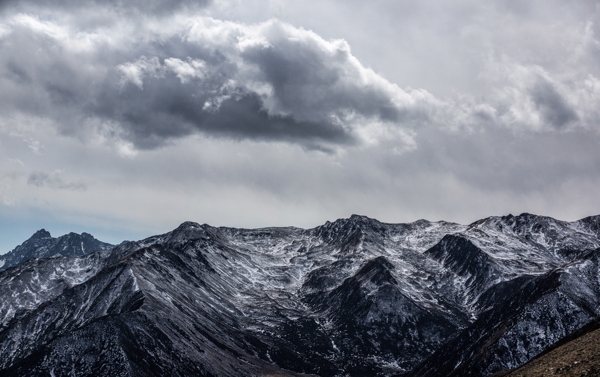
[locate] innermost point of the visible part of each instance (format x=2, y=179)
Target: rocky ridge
x=353, y=297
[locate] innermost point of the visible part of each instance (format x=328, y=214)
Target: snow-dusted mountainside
x=354, y=297
x=43, y=245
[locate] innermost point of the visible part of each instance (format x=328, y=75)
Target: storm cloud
x=551, y=105
x=268, y=81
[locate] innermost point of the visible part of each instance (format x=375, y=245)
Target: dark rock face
x=467, y=261
x=43, y=245
x=354, y=297
x=374, y=320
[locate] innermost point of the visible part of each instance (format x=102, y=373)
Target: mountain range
x=353, y=297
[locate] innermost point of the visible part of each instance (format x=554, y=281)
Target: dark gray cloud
x=269, y=82
x=552, y=105
x=308, y=81
x=162, y=112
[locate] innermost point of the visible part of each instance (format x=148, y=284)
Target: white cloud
x=186, y=70
x=134, y=72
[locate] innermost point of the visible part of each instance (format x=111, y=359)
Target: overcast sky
x=126, y=118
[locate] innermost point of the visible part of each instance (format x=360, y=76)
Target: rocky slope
x=43, y=245
x=575, y=356
x=354, y=297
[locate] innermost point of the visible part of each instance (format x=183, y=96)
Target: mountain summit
x=353, y=297
x=42, y=245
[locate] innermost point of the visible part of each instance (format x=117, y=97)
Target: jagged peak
x=76, y=236
x=353, y=220
x=188, y=231
x=425, y=222
x=40, y=234
x=530, y=217
x=86, y=235
x=345, y=228
x=187, y=225
x=519, y=223
x=356, y=217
